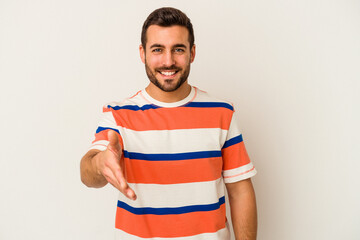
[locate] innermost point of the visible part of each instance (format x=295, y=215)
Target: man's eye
x=156, y=50
x=180, y=50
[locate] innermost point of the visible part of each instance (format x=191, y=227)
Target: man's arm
x=243, y=209
x=97, y=167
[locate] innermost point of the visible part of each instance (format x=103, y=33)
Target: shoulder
x=205, y=97
x=134, y=101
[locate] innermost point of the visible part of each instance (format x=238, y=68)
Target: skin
x=101, y=167
x=167, y=50
x=243, y=209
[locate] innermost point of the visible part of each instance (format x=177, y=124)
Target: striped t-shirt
x=177, y=157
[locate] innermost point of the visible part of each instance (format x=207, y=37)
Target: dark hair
x=167, y=17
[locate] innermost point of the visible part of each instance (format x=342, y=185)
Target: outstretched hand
x=108, y=164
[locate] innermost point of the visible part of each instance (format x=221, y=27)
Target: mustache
x=173, y=67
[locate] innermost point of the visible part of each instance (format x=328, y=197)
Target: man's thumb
x=113, y=139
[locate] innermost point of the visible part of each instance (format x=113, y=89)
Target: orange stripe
x=240, y=173
x=173, y=118
x=171, y=172
x=235, y=156
x=135, y=95
x=174, y=225
x=103, y=136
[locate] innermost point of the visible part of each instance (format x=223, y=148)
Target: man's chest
x=171, y=146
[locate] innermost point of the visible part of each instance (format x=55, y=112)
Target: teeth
x=168, y=73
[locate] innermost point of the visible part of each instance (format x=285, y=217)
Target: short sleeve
x=236, y=162
x=106, y=123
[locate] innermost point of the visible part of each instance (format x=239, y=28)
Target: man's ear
x=192, y=53
x=142, y=53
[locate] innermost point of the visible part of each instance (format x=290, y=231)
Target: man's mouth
x=168, y=73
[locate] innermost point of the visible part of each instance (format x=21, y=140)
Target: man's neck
x=168, y=97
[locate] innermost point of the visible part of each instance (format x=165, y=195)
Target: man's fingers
x=124, y=187
x=127, y=191
x=109, y=176
x=116, y=177
x=131, y=194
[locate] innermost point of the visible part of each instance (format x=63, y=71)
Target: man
x=170, y=148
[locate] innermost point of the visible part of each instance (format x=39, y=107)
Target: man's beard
x=155, y=81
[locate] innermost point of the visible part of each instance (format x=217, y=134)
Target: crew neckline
x=187, y=99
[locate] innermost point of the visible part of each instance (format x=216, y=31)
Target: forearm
x=244, y=213
x=89, y=174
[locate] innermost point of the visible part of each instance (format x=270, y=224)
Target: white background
x=290, y=67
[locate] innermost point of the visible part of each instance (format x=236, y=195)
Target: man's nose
x=168, y=59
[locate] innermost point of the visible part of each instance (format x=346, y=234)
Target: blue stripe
x=233, y=141
x=209, y=105
x=190, y=104
x=135, y=107
x=171, y=156
x=102, y=129
x=177, y=210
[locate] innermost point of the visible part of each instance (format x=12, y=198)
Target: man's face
x=168, y=56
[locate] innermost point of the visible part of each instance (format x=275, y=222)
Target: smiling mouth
x=168, y=73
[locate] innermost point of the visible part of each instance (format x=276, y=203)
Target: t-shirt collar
x=172, y=104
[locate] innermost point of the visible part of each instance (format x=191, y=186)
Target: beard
x=167, y=86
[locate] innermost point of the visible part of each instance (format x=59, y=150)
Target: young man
x=170, y=148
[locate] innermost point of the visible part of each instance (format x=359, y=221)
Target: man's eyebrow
x=179, y=45
x=156, y=45
x=162, y=46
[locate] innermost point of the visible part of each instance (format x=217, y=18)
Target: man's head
x=167, y=17
x=167, y=48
